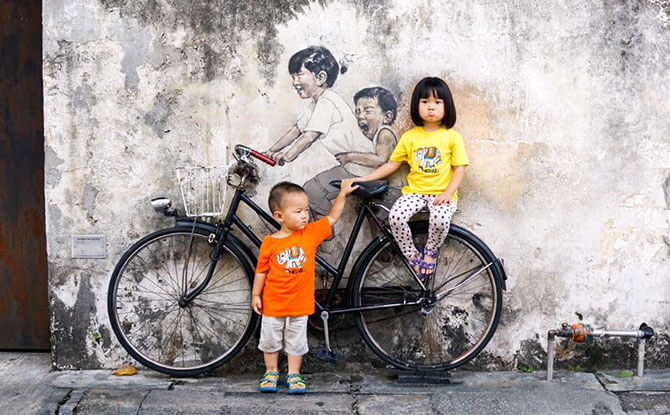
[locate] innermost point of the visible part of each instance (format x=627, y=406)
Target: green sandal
x=269, y=382
x=296, y=384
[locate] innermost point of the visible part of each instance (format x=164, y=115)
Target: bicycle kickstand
x=326, y=353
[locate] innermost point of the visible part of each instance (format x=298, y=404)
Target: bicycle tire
x=147, y=318
x=457, y=328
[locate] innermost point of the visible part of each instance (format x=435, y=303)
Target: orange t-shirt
x=289, y=264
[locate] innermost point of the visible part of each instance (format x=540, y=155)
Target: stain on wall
x=559, y=105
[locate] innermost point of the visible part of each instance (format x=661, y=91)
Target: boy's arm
x=365, y=159
x=285, y=140
x=445, y=197
x=259, y=283
x=386, y=142
x=338, y=205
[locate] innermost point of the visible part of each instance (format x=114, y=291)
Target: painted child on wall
x=358, y=143
x=376, y=109
x=328, y=121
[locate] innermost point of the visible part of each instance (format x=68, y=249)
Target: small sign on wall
x=89, y=246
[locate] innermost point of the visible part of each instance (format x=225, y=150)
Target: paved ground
x=28, y=386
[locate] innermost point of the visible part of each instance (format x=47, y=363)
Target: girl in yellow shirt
x=437, y=160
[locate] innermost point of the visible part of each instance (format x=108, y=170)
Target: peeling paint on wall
x=559, y=106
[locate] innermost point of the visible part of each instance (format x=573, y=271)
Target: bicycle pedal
x=327, y=355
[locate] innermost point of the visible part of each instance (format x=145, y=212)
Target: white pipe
x=640, y=357
x=550, y=359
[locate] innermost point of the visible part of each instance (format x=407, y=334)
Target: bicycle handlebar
x=239, y=149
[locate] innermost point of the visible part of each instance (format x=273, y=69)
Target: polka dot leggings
x=407, y=206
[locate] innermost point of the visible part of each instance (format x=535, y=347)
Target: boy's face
x=306, y=83
x=294, y=211
x=370, y=116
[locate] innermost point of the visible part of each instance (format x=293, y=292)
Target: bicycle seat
x=366, y=189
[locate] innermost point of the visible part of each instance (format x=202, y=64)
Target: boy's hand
x=347, y=186
x=256, y=303
x=442, y=199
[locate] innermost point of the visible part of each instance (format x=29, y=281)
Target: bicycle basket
x=203, y=190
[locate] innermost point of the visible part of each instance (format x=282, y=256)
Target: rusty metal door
x=24, y=307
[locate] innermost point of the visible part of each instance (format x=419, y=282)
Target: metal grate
x=203, y=190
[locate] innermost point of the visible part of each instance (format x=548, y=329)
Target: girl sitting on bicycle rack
x=285, y=279
x=437, y=160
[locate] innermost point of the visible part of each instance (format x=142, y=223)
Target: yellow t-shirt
x=432, y=157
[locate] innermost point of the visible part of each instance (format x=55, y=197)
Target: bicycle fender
x=497, y=263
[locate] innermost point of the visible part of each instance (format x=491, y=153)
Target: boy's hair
x=316, y=59
x=436, y=87
x=278, y=192
x=384, y=98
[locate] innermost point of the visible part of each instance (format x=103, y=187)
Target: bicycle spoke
x=212, y=311
x=162, y=264
x=442, y=332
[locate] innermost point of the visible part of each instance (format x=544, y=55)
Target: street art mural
x=359, y=139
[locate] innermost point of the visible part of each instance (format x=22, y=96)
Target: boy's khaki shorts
x=288, y=333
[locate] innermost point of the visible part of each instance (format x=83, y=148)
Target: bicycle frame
x=232, y=218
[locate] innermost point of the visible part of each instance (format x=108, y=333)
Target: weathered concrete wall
x=563, y=106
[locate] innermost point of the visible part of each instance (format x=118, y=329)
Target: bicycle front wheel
x=151, y=320
x=459, y=313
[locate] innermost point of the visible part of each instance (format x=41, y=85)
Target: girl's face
x=308, y=85
x=431, y=110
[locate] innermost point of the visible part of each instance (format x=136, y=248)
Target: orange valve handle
x=581, y=333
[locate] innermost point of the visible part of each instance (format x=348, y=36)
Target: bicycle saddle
x=366, y=189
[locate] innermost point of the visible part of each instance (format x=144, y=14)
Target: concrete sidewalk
x=28, y=386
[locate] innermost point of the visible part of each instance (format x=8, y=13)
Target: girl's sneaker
x=269, y=382
x=296, y=384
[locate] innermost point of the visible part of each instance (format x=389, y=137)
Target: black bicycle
x=179, y=298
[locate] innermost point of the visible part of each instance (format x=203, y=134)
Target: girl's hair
x=435, y=87
x=316, y=59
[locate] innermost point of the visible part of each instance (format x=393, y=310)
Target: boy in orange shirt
x=285, y=279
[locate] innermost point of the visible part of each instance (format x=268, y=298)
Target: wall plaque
x=89, y=246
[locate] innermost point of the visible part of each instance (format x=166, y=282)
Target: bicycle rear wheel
x=173, y=337
x=455, y=328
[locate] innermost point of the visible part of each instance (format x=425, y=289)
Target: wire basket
x=203, y=190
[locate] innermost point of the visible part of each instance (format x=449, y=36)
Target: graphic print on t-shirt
x=292, y=259
x=429, y=159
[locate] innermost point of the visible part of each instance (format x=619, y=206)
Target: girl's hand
x=280, y=157
x=256, y=303
x=442, y=199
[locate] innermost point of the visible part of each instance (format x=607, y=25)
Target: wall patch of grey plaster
x=51, y=163
x=84, y=97
x=158, y=116
x=218, y=25
x=136, y=43
x=90, y=193
x=666, y=191
x=73, y=327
